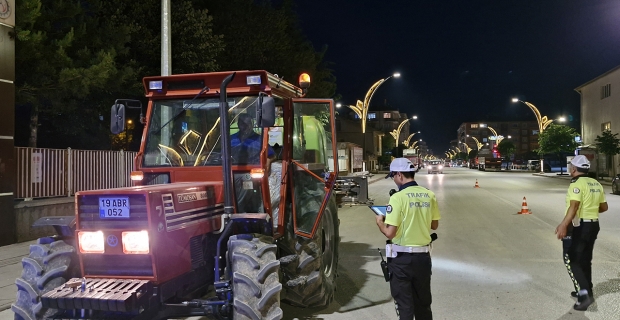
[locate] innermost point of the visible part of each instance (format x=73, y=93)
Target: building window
x=484, y=140
x=372, y=116
x=534, y=132
x=524, y=146
x=524, y=139
x=387, y=115
x=605, y=91
x=606, y=126
x=524, y=132
x=474, y=126
x=483, y=125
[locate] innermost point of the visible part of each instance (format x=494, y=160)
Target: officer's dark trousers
x=580, y=253
x=566, y=243
x=411, y=285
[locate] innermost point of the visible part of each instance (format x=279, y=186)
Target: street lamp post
x=361, y=108
x=396, y=132
x=498, y=138
x=543, y=123
x=409, y=139
x=478, y=144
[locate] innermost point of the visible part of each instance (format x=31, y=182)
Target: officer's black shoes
x=583, y=302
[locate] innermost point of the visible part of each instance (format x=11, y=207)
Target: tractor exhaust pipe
x=226, y=160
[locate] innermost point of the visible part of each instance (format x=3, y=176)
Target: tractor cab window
x=312, y=151
x=186, y=132
x=276, y=134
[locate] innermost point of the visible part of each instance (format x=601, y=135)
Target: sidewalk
x=10, y=268
x=604, y=181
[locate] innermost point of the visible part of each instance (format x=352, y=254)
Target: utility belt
x=577, y=222
x=392, y=250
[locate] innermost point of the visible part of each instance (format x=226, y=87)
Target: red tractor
x=232, y=210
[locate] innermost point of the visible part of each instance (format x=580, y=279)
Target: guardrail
x=43, y=173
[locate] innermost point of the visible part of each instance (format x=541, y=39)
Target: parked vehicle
x=204, y=214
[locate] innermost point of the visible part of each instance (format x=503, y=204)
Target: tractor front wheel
x=48, y=266
x=255, y=279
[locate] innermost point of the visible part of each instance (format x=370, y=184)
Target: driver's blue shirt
x=248, y=150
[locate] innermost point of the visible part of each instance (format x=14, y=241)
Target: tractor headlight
x=91, y=242
x=257, y=173
x=136, y=242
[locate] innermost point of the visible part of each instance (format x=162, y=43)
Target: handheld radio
x=384, y=268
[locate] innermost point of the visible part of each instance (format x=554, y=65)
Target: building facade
x=600, y=111
x=378, y=127
x=523, y=134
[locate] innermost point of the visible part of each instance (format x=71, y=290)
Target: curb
x=567, y=177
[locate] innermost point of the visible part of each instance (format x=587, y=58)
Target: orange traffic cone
x=524, y=209
x=476, y=186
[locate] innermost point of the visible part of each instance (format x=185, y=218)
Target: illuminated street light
x=543, y=122
x=478, y=144
x=409, y=139
x=498, y=137
x=361, y=108
x=396, y=132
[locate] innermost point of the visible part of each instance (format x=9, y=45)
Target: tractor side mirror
x=117, y=119
x=266, y=112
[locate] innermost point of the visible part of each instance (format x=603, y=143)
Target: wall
x=28, y=212
x=7, y=122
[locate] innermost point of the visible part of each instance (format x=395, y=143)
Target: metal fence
x=45, y=173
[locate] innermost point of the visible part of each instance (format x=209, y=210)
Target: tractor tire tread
x=47, y=266
x=256, y=291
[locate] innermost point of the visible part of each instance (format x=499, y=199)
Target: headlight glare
x=91, y=242
x=135, y=242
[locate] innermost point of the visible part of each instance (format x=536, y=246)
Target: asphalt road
x=488, y=263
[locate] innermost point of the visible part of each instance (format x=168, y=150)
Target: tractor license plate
x=113, y=207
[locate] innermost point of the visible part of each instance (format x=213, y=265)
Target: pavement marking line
x=511, y=203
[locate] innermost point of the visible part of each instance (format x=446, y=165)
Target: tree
x=506, y=148
x=260, y=35
x=473, y=154
x=65, y=54
x=387, y=143
x=557, y=140
x=76, y=57
x=609, y=145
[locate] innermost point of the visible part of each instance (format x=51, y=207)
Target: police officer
x=585, y=199
x=411, y=214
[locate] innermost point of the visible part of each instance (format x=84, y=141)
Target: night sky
x=463, y=60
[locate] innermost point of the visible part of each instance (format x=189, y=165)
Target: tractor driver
x=246, y=144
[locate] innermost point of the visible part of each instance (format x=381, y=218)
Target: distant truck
x=415, y=159
x=489, y=164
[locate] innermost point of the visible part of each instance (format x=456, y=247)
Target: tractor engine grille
x=117, y=265
x=88, y=213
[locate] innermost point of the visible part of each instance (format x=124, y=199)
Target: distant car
x=547, y=167
x=615, y=185
x=434, y=167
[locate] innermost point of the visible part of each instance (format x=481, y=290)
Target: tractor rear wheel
x=255, y=277
x=310, y=273
x=48, y=266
